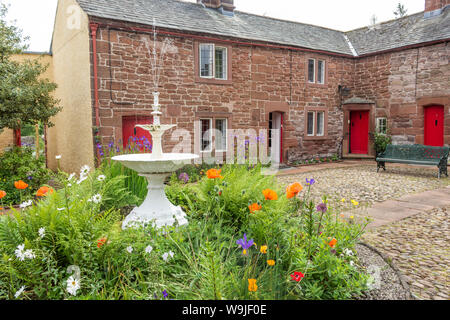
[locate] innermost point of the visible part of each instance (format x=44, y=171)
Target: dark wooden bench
x=415, y=154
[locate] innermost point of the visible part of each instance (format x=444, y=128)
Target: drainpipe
x=94, y=28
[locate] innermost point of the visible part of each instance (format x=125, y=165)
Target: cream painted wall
x=7, y=136
x=71, y=137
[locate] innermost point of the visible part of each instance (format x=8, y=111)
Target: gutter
x=94, y=28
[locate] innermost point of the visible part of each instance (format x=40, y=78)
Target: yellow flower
x=271, y=262
x=355, y=203
x=343, y=200
x=263, y=249
x=252, y=285
x=351, y=217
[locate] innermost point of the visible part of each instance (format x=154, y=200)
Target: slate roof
x=193, y=17
x=402, y=32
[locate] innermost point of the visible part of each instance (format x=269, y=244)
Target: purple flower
x=30, y=177
x=117, y=149
x=244, y=243
x=322, y=207
x=310, y=182
x=184, y=177
x=165, y=294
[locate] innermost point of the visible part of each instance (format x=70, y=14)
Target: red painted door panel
x=136, y=136
x=359, y=132
x=434, y=126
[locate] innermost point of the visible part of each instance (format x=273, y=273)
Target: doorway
x=276, y=136
x=359, y=132
x=434, y=126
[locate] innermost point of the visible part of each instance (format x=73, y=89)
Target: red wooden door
x=133, y=136
x=434, y=126
x=359, y=132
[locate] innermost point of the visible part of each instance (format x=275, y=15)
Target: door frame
x=347, y=108
x=423, y=102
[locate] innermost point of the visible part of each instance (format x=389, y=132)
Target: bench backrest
x=416, y=152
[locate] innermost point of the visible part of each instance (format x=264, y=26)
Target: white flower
x=29, y=254
x=19, y=252
x=73, y=285
x=85, y=170
x=26, y=204
x=72, y=175
x=130, y=249
x=19, y=292
x=82, y=178
x=101, y=177
x=166, y=255
x=96, y=199
x=148, y=249
x=348, y=252
x=60, y=209
x=352, y=264
x=41, y=232
x=58, y=157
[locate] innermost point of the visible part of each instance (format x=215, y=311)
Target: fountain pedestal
x=156, y=206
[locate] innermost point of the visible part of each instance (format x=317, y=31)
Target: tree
x=24, y=97
x=400, y=11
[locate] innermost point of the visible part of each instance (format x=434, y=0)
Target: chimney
x=226, y=7
x=435, y=7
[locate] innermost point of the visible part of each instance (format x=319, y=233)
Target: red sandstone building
x=328, y=90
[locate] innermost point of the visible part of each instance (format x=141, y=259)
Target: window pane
x=206, y=60
x=205, y=126
x=221, y=63
x=320, y=71
x=221, y=138
x=311, y=70
x=382, y=125
x=320, y=123
x=310, y=123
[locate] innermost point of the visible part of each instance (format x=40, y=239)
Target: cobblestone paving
x=365, y=185
x=419, y=247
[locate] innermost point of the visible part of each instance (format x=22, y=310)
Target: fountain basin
x=149, y=163
x=156, y=208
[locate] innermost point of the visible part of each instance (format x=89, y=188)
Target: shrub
x=381, y=141
x=20, y=164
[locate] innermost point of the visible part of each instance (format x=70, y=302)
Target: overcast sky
x=36, y=17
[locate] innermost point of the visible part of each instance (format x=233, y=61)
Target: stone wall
x=402, y=83
x=263, y=80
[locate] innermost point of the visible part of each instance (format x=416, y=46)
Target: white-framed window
x=216, y=128
x=311, y=123
x=311, y=70
x=316, y=71
x=213, y=61
x=320, y=71
x=221, y=135
x=315, y=122
x=320, y=123
x=382, y=125
x=206, y=135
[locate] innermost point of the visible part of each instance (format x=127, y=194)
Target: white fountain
x=156, y=167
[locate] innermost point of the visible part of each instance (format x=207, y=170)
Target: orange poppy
x=2, y=194
x=214, y=173
x=20, y=185
x=43, y=191
x=270, y=194
x=293, y=189
x=252, y=285
x=271, y=262
x=332, y=243
x=101, y=242
x=254, y=207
